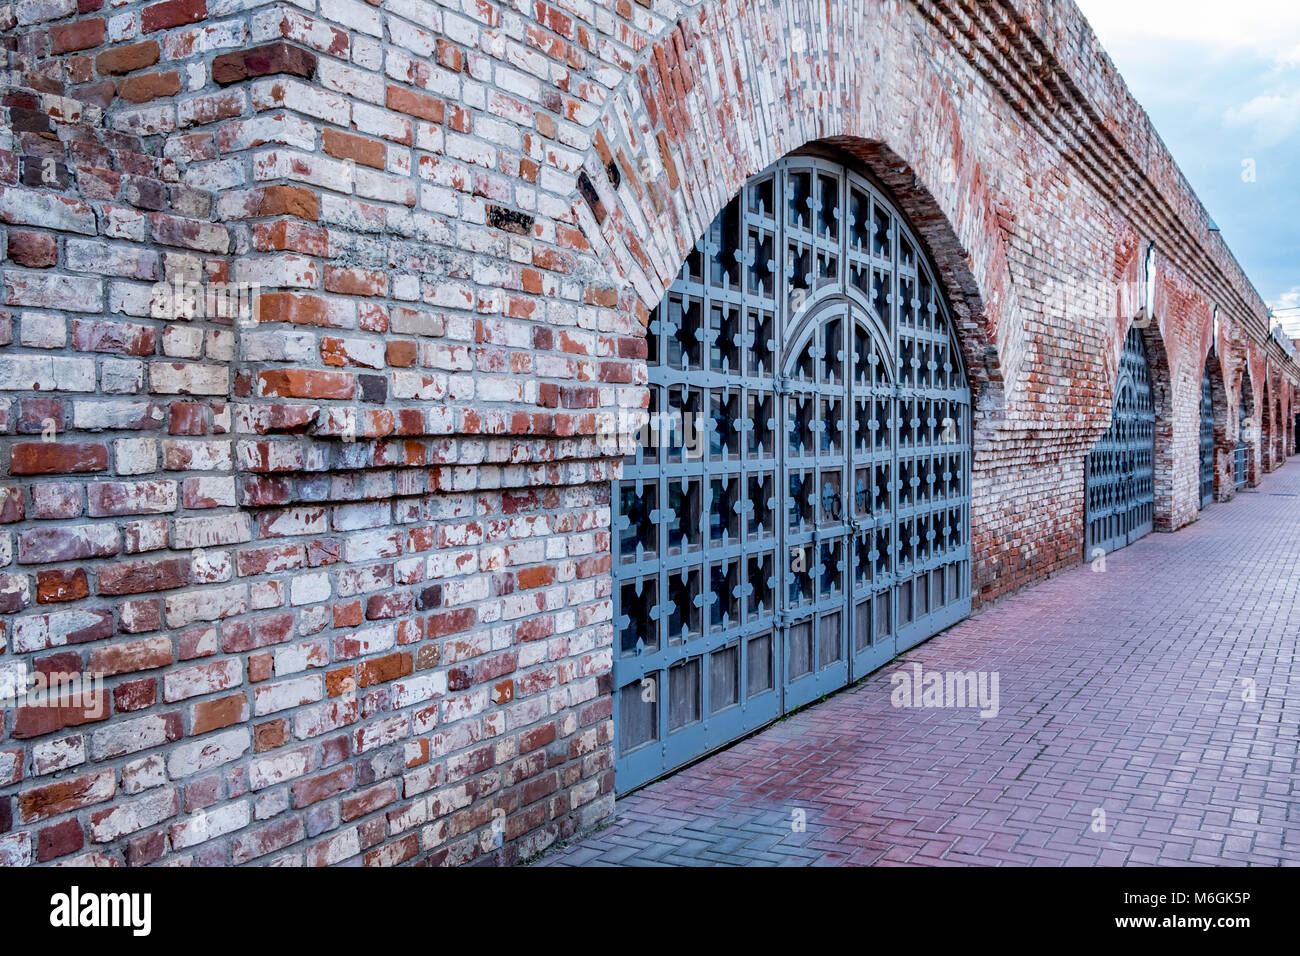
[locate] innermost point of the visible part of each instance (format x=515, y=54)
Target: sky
x=1221, y=82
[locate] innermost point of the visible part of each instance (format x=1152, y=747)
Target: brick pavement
x=1119, y=691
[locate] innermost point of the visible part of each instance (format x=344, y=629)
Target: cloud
x=1272, y=117
x=1287, y=300
x=1270, y=29
x=1239, y=64
x=1289, y=59
x=1222, y=83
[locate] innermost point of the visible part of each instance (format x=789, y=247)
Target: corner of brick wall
x=342, y=598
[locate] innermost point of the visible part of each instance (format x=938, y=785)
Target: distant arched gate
x=1265, y=430
x=1207, y=438
x=817, y=522
x=1120, y=478
x=1240, y=474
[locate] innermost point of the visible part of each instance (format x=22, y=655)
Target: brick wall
x=339, y=565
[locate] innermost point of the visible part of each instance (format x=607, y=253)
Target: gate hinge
x=781, y=385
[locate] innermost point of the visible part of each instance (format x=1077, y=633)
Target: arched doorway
x=1120, y=485
x=1241, y=452
x=817, y=521
x=1279, y=433
x=1207, y=437
x=1266, y=431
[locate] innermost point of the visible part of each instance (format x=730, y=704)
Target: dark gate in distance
x=1120, y=482
x=1207, y=440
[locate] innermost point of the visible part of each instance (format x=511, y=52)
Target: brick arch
x=1155, y=332
x=1267, y=424
x=1277, y=443
x=682, y=135
x=1245, y=388
x=1223, y=441
x=1162, y=400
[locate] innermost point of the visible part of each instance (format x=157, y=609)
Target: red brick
x=367, y=802
x=340, y=681
x=267, y=60
x=367, y=152
x=248, y=634
x=61, y=584
x=419, y=105
x=116, y=498
x=172, y=13
x=401, y=353
x=270, y=735
x=130, y=656
x=305, y=383
x=294, y=201
x=58, y=840
x=58, y=457
x=215, y=714
x=150, y=848
x=122, y=338
x=40, y=803
x=349, y=281
x=79, y=35
x=57, y=711
x=149, y=86
x=37, y=414
x=32, y=250
x=135, y=694
x=140, y=577
x=139, y=616
x=307, y=792
x=536, y=577
x=383, y=669
x=127, y=58
x=449, y=55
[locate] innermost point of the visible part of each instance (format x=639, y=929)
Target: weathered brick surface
x=342, y=562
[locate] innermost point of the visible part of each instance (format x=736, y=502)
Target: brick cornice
x=1021, y=49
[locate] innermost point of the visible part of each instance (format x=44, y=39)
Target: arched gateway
x=1121, y=466
x=800, y=509
x=1206, y=435
x=1241, y=452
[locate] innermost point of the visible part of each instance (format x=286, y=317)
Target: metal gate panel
x=1120, y=475
x=799, y=506
x=696, y=574
x=816, y=532
x=932, y=448
x=1207, y=440
x=872, y=467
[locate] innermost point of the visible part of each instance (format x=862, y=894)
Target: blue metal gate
x=1239, y=453
x=1120, y=477
x=798, y=510
x=1207, y=439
